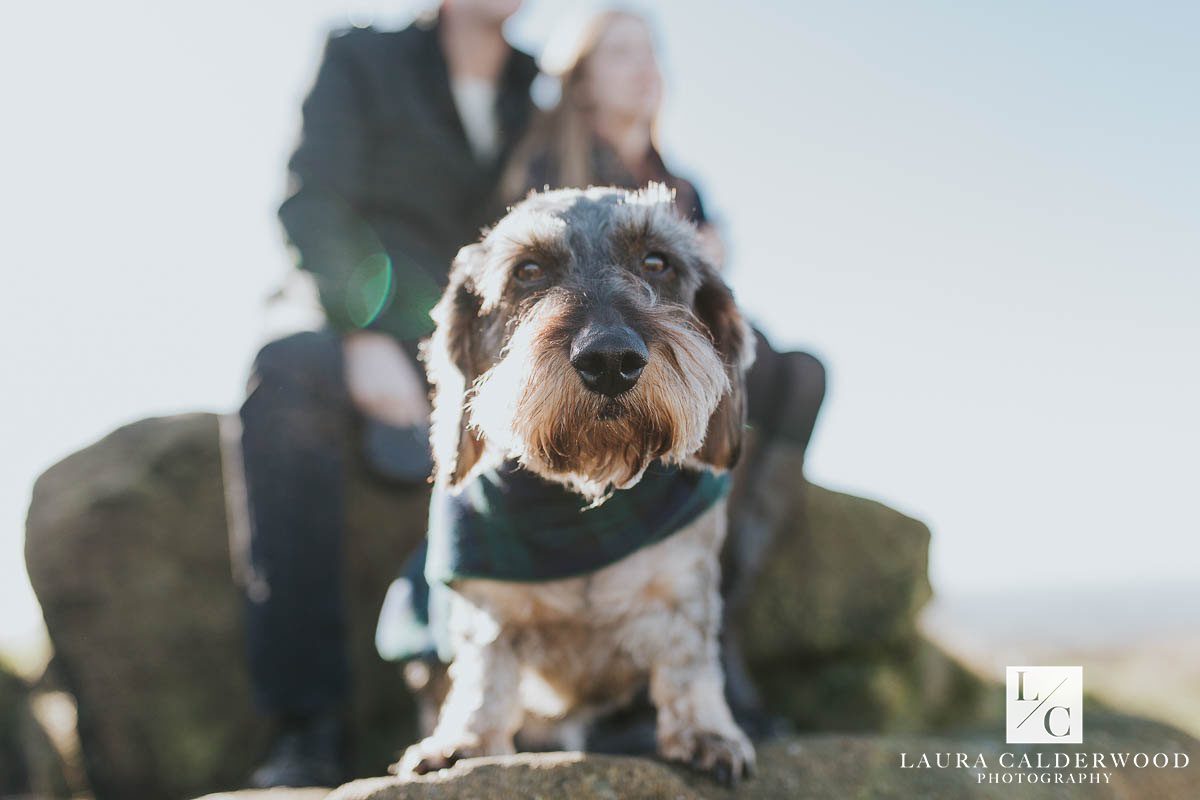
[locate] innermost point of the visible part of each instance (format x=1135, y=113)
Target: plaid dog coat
x=509, y=524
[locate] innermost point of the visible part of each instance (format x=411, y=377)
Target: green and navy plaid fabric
x=511, y=525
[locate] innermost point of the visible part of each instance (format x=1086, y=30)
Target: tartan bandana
x=511, y=525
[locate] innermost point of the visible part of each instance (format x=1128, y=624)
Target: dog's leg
x=482, y=712
x=695, y=725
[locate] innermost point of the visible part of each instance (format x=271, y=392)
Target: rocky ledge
x=805, y=768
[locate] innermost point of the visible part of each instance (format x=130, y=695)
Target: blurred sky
x=984, y=217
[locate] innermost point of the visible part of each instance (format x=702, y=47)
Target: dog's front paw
x=431, y=754
x=727, y=757
x=440, y=752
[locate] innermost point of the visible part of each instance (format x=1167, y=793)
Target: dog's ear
x=453, y=355
x=714, y=306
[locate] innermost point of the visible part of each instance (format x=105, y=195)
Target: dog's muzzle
x=609, y=358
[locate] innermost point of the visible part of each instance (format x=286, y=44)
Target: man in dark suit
x=404, y=137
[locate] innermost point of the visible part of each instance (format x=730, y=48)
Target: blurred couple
x=413, y=141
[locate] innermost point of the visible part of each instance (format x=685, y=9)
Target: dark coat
x=385, y=187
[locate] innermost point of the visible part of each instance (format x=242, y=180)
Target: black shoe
x=306, y=752
x=398, y=454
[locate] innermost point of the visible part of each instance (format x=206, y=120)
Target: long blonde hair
x=565, y=134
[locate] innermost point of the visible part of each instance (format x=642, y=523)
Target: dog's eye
x=529, y=272
x=655, y=264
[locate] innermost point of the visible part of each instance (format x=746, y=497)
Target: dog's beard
x=533, y=407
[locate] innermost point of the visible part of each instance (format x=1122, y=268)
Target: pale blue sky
x=985, y=217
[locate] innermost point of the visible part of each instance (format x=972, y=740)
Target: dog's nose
x=609, y=360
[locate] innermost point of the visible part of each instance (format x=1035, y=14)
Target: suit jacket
x=384, y=185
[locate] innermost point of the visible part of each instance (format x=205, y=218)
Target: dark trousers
x=296, y=424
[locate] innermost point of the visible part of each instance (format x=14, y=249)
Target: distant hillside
x=1139, y=646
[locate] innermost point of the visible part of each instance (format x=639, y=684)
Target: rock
x=911, y=686
x=849, y=577
x=834, y=767
x=128, y=551
x=29, y=763
x=270, y=794
x=819, y=767
x=15, y=777
x=533, y=776
x=829, y=632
